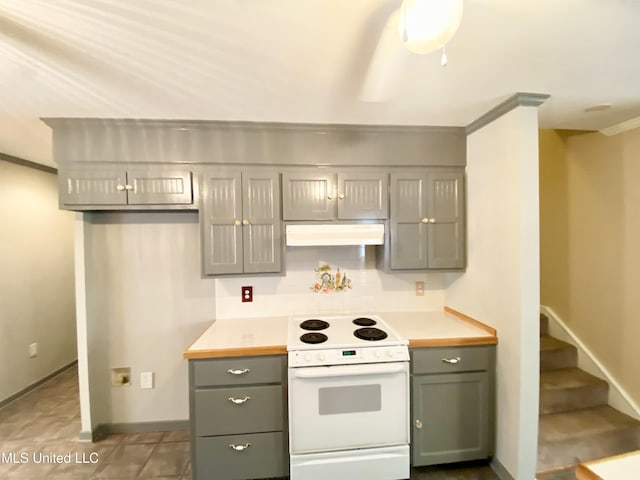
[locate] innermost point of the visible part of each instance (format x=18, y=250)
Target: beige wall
x=590, y=237
x=36, y=278
x=501, y=284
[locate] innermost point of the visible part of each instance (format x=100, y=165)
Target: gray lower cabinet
x=238, y=418
x=101, y=188
x=240, y=221
x=328, y=195
x=427, y=220
x=452, y=404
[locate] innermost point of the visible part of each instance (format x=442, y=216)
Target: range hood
x=334, y=234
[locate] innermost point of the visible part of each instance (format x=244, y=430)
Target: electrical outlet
x=146, y=380
x=419, y=289
x=120, y=376
x=33, y=350
x=247, y=294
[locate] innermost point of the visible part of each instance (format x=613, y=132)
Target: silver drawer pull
x=418, y=424
x=239, y=448
x=238, y=401
x=452, y=361
x=238, y=371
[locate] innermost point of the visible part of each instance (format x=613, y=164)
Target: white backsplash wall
x=372, y=291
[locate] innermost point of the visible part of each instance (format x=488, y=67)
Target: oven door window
x=348, y=407
x=349, y=399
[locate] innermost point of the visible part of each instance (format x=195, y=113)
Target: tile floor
x=43, y=426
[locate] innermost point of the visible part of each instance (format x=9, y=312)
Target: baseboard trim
x=105, y=429
x=35, y=385
x=587, y=361
x=501, y=471
x=86, y=437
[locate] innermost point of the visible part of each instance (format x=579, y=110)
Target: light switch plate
x=146, y=379
x=419, y=289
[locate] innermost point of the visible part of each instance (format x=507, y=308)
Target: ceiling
x=306, y=61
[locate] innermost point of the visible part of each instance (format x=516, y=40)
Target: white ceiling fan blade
x=387, y=64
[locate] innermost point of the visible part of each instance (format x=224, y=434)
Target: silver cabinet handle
x=239, y=448
x=452, y=361
x=128, y=187
x=237, y=223
x=245, y=222
x=432, y=220
x=425, y=220
x=238, y=401
x=329, y=197
x=119, y=187
x=238, y=371
x=418, y=424
x=341, y=196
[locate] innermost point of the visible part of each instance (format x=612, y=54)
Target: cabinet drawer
x=224, y=411
x=263, y=457
x=237, y=371
x=451, y=359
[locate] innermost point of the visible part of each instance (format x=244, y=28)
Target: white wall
x=501, y=284
x=36, y=278
x=147, y=301
x=372, y=291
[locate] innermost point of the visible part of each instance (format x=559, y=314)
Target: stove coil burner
x=314, y=337
x=364, y=322
x=372, y=334
x=314, y=324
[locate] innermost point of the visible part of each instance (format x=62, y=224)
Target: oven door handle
x=350, y=370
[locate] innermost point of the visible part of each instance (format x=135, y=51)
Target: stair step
x=556, y=354
x=567, y=389
x=544, y=325
x=569, y=438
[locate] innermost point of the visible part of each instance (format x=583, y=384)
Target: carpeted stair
x=576, y=424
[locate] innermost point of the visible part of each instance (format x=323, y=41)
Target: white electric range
x=348, y=398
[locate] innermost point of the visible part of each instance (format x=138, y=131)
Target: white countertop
x=268, y=335
x=620, y=467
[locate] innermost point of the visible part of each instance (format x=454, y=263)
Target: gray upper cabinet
x=427, y=220
x=101, y=188
x=363, y=195
x=240, y=217
x=329, y=195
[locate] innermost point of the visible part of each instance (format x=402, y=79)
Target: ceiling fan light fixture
x=427, y=25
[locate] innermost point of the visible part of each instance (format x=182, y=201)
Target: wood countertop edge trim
x=235, y=352
x=452, y=342
x=471, y=320
x=583, y=473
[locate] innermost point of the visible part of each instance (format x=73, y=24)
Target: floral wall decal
x=327, y=282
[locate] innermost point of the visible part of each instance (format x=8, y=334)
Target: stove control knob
x=307, y=357
x=321, y=356
x=389, y=353
x=376, y=353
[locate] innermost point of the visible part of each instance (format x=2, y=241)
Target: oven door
x=348, y=406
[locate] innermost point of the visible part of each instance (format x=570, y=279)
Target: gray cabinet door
x=445, y=209
x=450, y=418
x=308, y=195
x=240, y=221
x=362, y=195
x=427, y=220
x=221, y=218
x=158, y=187
x=408, y=231
x=262, y=232
x=92, y=187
